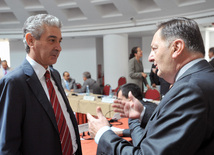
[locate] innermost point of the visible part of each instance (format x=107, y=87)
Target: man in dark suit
x=122, y=94
x=28, y=121
x=211, y=56
x=182, y=123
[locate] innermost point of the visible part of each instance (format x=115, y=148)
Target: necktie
x=65, y=137
x=5, y=72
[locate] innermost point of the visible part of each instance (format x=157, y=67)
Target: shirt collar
x=186, y=67
x=39, y=69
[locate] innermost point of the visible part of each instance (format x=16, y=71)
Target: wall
x=82, y=54
x=76, y=57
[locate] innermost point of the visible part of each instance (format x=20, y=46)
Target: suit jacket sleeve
x=82, y=89
x=172, y=124
x=12, y=111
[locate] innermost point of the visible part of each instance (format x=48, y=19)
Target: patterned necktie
x=65, y=137
x=5, y=72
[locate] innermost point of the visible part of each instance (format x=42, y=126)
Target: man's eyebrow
x=54, y=37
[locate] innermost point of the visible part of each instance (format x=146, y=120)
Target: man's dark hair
x=185, y=29
x=211, y=50
x=135, y=89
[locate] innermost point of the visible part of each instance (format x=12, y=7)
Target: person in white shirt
x=35, y=114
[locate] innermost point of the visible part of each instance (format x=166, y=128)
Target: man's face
x=161, y=54
x=4, y=65
x=66, y=76
x=211, y=54
x=121, y=97
x=47, y=49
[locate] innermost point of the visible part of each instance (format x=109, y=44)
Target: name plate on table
x=89, y=98
x=108, y=99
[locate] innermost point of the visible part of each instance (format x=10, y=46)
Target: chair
x=106, y=89
x=152, y=94
x=121, y=81
x=78, y=85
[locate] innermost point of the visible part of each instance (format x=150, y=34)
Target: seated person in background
x=122, y=94
x=4, y=68
x=211, y=56
x=67, y=82
x=93, y=85
x=156, y=80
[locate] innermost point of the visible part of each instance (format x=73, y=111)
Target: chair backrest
x=106, y=89
x=78, y=85
x=152, y=94
x=122, y=81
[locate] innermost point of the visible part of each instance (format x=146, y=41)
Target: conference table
x=81, y=105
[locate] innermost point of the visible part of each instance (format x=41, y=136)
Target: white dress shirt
x=40, y=72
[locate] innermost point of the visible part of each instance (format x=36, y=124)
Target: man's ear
x=177, y=47
x=29, y=39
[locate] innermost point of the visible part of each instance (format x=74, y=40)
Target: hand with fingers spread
x=96, y=124
x=131, y=109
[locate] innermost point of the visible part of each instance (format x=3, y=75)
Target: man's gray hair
x=87, y=75
x=34, y=25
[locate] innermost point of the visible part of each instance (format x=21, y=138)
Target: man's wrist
x=101, y=132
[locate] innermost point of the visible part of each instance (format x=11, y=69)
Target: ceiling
x=99, y=17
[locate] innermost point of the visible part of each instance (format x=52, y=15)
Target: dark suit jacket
x=27, y=121
x=212, y=62
x=182, y=123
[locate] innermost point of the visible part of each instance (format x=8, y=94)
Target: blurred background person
x=93, y=85
x=67, y=82
x=211, y=56
x=122, y=94
x=136, y=71
x=5, y=69
x=158, y=82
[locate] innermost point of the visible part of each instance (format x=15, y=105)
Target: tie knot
x=47, y=75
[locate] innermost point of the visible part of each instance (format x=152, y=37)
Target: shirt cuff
x=100, y=133
x=142, y=114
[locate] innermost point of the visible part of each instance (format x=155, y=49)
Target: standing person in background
x=35, y=114
x=156, y=80
x=93, y=85
x=4, y=70
x=182, y=123
x=67, y=82
x=211, y=56
x=136, y=71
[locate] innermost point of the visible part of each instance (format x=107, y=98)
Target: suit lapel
x=39, y=92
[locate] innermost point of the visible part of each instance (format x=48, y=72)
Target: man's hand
x=131, y=109
x=96, y=124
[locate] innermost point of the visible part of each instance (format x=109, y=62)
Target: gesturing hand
x=131, y=109
x=96, y=124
